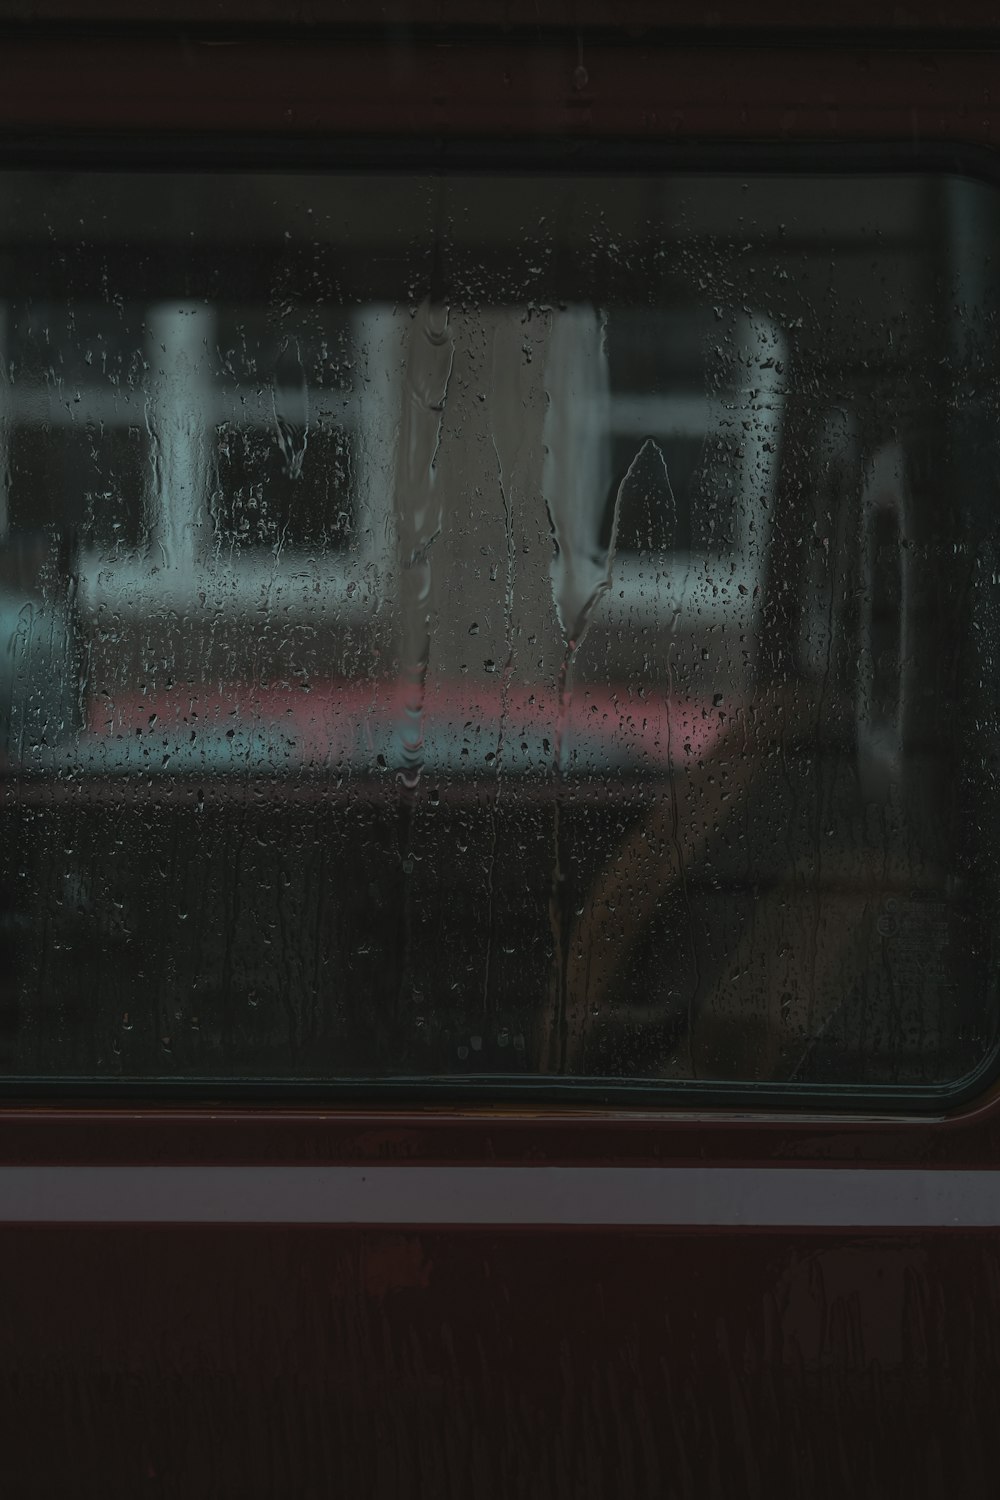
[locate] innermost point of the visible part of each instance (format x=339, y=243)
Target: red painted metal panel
x=498, y=1363
x=656, y=93
x=633, y=16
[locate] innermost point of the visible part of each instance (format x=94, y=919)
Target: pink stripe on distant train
x=733, y=1197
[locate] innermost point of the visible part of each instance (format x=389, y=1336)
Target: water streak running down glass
x=498, y=627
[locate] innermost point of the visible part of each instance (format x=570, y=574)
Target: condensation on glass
x=494, y=627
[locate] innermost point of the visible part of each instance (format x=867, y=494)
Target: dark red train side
x=499, y=598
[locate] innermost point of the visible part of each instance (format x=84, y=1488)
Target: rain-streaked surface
x=507, y=626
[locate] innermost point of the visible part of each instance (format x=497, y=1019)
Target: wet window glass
x=499, y=630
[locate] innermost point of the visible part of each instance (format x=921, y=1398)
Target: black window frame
x=174, y=152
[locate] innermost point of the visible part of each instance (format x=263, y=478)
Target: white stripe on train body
x=725, y=1196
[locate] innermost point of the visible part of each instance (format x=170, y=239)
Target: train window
x=526, y=629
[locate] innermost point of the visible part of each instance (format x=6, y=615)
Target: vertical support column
x=576, y=472
x=179, y=416
x=380, y=336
